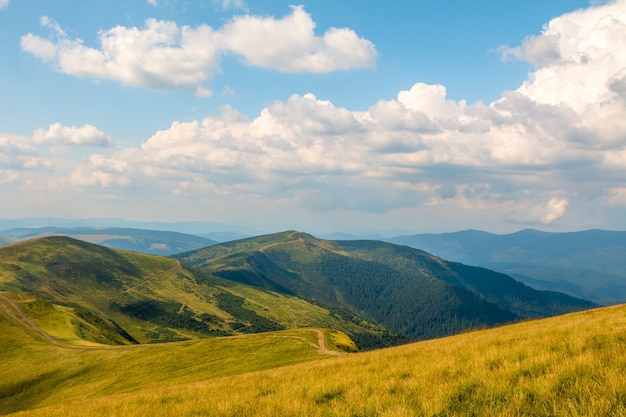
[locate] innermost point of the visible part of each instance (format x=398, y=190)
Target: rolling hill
x=409, y=291
x=589, y=264
x=101, y=295
x=156, y=242
x=566, y=365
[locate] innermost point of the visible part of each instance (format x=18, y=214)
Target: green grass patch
x=573, y=365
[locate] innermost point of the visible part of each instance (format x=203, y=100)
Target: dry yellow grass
x=573, y=365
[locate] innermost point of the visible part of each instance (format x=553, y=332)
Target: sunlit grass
x=572, y=365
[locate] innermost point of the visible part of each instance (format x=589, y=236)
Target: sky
x=321, y=116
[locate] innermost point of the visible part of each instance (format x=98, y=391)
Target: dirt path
x=320, y=346
x=14, y=311
x=153, y=277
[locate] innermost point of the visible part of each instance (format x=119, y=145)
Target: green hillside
x=570, y=365
x=84, y=293
x=38, y=370
x=589, y=264
x=410, y=291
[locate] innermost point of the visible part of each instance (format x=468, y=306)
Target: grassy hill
x=568, y=365
x=589, y=264
x=86, y=294
x=139, y=240
x=409, y=291
x=36, y=372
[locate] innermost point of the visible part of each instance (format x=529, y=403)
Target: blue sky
x=415, y=116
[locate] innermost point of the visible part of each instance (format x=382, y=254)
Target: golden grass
x=573, y=365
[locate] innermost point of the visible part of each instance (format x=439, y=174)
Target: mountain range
x=157, y=242
x=378, y=293
x=409, y=291
x=588, y=264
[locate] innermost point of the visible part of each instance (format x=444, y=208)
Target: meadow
x=571, y=365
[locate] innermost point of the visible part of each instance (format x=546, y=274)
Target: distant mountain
x=138, y=240
x=191, y=227
x=409, y=291
x=590, y=264
x=119, y=297
x=5, y=240
x=224, y=236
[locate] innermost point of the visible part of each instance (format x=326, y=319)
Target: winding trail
x=153, y=277
x=14, y=311
x=320, y=346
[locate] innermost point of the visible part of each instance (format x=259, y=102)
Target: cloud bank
x=554, y=148
x=163, y=56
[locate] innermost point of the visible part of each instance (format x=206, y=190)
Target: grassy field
x=573, y=365
x=36, y=373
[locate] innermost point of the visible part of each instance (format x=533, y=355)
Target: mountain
x=409, y=291
x=589, y=264
x=138, y=240
x=189, y=227
x=113, y=296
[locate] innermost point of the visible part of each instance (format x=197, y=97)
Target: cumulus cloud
x=160, y=56
x=529, y=154
x=539, y=213
x=163, y=56
x=57, y=134
x=547, y=151
x=19, y=154
x=576, y=55
x=101, y=171
x=290, y=44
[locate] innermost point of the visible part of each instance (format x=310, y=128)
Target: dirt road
x=14, y=311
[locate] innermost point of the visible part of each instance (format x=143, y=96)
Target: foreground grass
x=573, y=365
x=35, y=373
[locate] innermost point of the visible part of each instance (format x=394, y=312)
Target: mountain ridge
x=588, y=264
x=153, y=298
x=354, y=273
x=157, y=242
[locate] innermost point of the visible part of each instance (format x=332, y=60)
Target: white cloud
x=549, y=151
x=3, y=4
x=19, y=154
x=102, y=171
x=14, y=147
x=539, y=213
x=163, y=56
x=231, y=4
x=290, y=45
x=152, y=2
x=57, y=134
x=576, y=54
x=527, y=155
